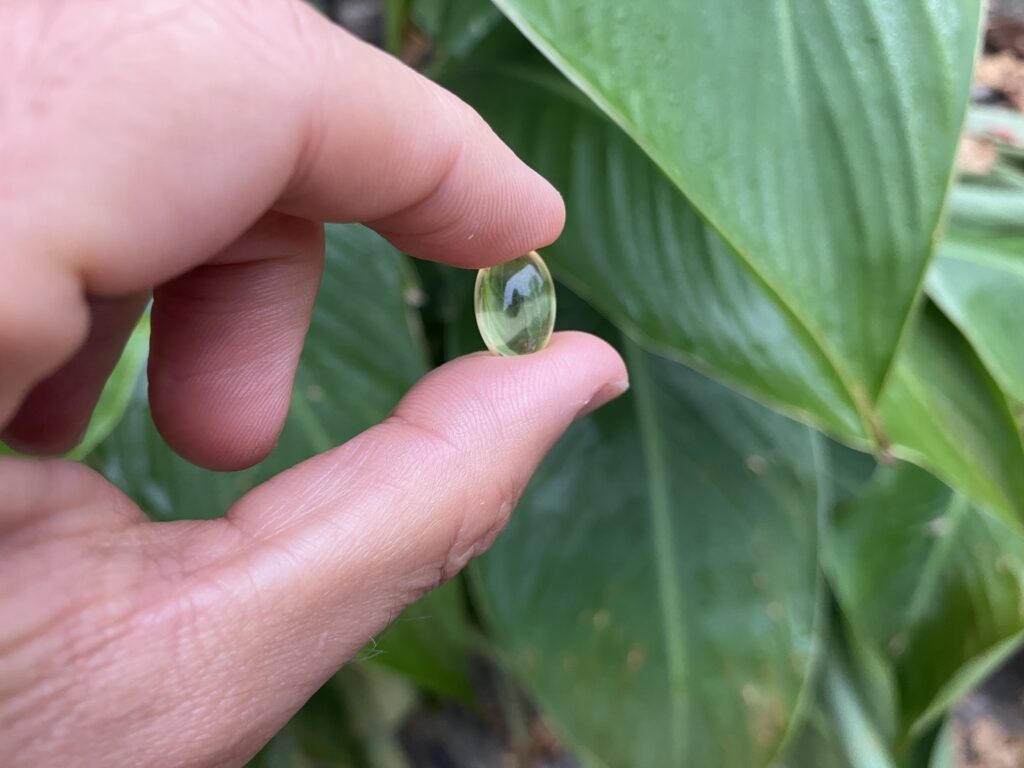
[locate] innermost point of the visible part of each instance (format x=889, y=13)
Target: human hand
x=191, y=150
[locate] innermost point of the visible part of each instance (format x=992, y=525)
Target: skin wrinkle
x=311, y=528
x=82, y=648
x=52, y=508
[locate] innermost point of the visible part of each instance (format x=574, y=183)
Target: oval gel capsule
x=515, y=305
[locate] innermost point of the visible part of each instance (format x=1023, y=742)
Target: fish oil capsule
x=515, y=305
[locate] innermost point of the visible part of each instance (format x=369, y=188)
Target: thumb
x=222, y=629
x=405, y=505
x=333, y=549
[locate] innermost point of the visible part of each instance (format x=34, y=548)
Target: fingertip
x=226, y=340
x=35, y=439
x=591, y=349
x=591, y=359
x=550, y=210
x=540, y=393
x=491, y=212
x=213, y=442
x=536, y=220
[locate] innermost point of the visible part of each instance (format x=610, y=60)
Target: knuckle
x=475, y=532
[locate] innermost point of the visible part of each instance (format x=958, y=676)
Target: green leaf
x=816, y=138
x=944, y=751
x=816, y=744
x=859, y=740
x=363, y=351
x=1002, y=126
x=457, y=26
x=850, y=470
x=637, y=250
x=396, y=19
x=932, y=585
x=944, y=411
x=841, y=728
x=670, y=613
x=986, y=209
x=979, y=284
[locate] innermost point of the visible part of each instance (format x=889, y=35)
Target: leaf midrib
x=662, y=534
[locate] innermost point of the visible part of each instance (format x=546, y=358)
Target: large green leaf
x=931, y=588
x=639, y=252
x=979, y=284
x=362, y=353
x=944, y=411
x=670, y=611
x=817, y=138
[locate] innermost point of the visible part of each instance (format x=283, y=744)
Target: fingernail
x=602, y=396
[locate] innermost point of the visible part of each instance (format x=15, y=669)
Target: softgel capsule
x=515, y=305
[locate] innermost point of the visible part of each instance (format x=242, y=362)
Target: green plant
x=713, y=571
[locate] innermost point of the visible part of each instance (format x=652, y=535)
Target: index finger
x=132, y=161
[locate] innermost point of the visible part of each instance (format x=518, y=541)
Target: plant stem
x=396, y=19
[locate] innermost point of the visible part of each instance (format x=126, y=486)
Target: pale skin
x=190, y=151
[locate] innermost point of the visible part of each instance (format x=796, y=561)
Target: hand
x=191, y=150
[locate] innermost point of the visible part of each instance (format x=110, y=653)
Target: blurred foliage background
x=798, y=540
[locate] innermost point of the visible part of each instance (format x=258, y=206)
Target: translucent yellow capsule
x=515, y=305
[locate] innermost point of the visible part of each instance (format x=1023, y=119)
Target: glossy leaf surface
x=671, y=610
x=639, y=252
x=932, y=587
x=944, y=411
x=816, y=138
x=979, y=283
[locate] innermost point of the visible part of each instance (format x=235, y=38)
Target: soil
x=988, y=725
